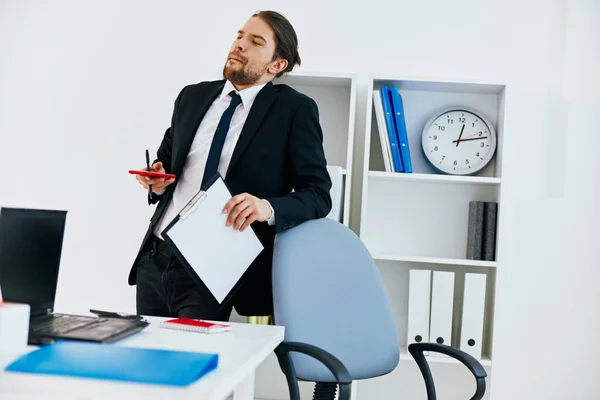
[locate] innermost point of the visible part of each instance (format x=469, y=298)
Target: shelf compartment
x=420, y=219
x=424, y=99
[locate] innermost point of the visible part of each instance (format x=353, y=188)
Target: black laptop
x=31, y=242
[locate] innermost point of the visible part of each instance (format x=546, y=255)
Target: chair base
x=325, y=391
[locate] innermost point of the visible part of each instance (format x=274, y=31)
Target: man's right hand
x=158, y=184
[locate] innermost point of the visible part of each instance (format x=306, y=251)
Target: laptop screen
x=30, y=250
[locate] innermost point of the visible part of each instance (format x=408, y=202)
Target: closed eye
x=257, y=39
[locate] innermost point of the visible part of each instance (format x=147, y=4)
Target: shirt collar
x=248, y=95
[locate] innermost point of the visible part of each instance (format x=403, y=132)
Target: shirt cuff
x=271, y=220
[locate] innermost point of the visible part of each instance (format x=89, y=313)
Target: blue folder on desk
x=112, y=362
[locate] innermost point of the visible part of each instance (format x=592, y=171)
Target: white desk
x=240, y=351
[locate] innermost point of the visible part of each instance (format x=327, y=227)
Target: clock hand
x=459, y=136
x=466, y=140
x=469, y=137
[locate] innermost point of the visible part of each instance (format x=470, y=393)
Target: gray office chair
x=329, y=295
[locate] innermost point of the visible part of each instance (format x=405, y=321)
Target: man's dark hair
x=286, y=41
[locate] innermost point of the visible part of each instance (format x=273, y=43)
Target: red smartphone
x=151, y=174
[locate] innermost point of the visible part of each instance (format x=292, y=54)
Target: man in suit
x=266, y=142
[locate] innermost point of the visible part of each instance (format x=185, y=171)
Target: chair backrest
x=327, y=292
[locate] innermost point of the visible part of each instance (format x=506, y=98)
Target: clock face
x=459, y=141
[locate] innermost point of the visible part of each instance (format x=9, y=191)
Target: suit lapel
x=195, y=114
x=261, y=105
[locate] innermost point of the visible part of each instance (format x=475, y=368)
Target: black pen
x=148, y=165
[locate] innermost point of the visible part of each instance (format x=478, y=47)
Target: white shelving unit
x=335, y=95
x=419, y=220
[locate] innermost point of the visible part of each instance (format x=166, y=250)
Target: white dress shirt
x=190, y=181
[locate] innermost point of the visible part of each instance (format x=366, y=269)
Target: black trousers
x=166, y=289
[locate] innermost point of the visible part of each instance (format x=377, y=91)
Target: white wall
x=547, y=311
x=86, y=87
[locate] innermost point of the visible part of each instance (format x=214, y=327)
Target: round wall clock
x=459, y=141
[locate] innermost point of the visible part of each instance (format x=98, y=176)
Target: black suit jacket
x=279, y=149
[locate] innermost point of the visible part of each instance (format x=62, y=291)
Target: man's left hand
x=244, y=209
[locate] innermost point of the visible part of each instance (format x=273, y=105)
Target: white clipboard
x=218, y=255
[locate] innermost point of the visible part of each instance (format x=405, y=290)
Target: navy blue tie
x=214, y=155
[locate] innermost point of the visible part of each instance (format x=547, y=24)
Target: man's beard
x=243, y=76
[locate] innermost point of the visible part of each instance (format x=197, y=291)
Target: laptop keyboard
x=58, y=324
